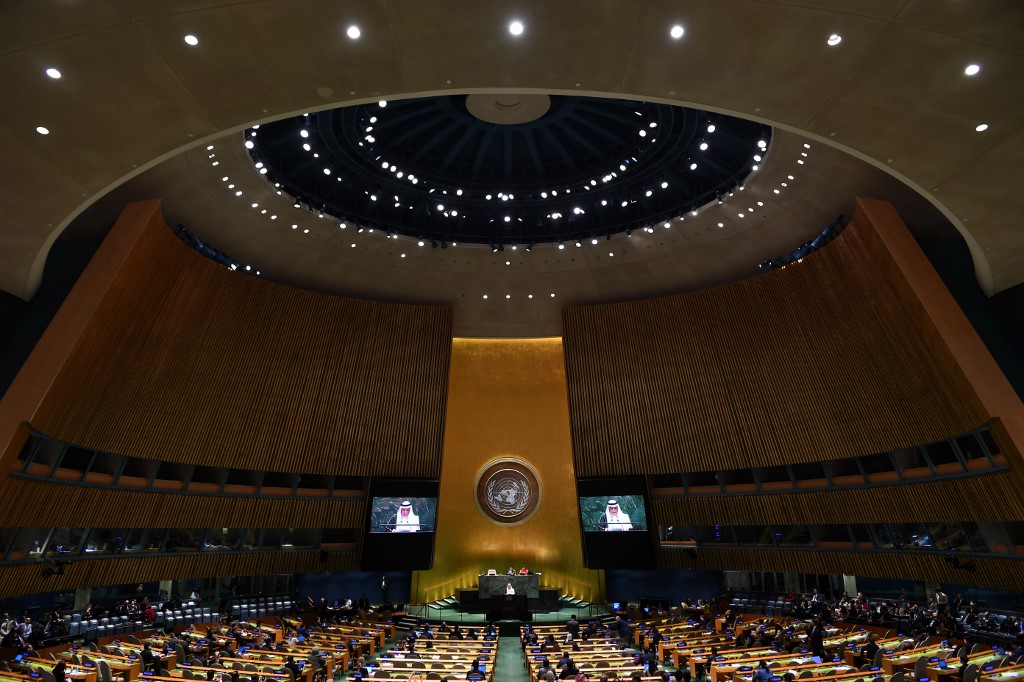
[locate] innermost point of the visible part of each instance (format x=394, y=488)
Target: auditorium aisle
x=510, y=665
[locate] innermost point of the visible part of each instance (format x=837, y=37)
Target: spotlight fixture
x=834, y=39
x=677, y=32
x=516, y=28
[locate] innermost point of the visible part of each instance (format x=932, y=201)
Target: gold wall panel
x=507, y=398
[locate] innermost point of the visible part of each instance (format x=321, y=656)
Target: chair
x=898, y=677
x=921, y=668
x=132, y=639
x=434, y=676
x=877, y=662
x=971, y=673
x=978, y=647
x=47, y=676
x=105, y=675
x=805, y=674
x=379, y=673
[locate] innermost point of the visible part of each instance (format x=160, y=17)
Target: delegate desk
x=494, y=585
x=1014, y=673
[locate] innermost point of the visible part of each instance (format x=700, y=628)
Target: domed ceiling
x=507, y=169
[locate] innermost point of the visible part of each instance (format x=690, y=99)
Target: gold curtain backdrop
x=507, y=398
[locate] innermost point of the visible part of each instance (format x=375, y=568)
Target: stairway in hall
x=509, y=666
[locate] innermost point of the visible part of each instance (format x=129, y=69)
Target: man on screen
x=614, y=518
x=405, y=521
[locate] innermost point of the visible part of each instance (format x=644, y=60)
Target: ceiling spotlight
x=508, y=219
x=561, y=246
x=494, y=248
x=711, y=128
x=383, y=103
x=835, y=39
x=594, y=240
x=971, y=70
x=516, y=28
x=42, y=130
x=693, y=166
x=982, y=127
x=249, y=144
x=353, y=32
x=55, y=74
x=703, y=146
x=191, y=40
x=677, y=32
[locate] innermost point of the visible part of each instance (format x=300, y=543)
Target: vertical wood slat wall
x=988, y=497
x=27, y=578
x=822, y=360
x=1000, y=573
x=189, y=362
x=45, y=504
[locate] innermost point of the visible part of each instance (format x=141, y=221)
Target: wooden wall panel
x=22, y=579
x=45, y=504
x=987, y=497
x=186, y=361
x=1007, y=574
x=822, y=360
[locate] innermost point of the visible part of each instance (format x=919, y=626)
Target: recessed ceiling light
x=54, y=73
x=711, y=128
x=383, y=103
x=982, y=127
x=703, y=146
x=249, y=144
x=835, y=39
x=693, y=166
x=677, y=32
x=516, y=28
x=42, y=130
x=191, y=39
x=353, y=32
x=971, y=70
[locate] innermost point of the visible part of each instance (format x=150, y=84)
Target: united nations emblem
x=508, y=490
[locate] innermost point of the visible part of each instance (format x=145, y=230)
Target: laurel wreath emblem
x=507, y=490
x=508, y=493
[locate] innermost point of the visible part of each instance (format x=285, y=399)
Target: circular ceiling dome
x=507, y=169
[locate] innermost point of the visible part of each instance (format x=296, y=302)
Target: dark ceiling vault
x=583, y=167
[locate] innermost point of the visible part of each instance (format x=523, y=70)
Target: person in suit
x=816, y=638
x=60, y=671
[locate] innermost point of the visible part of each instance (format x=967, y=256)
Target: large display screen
x=403, y=514
x=401, y=520
x=619, y=513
